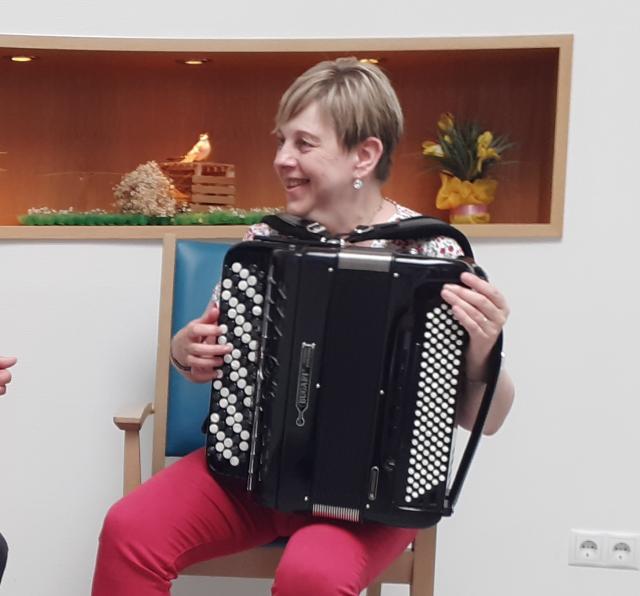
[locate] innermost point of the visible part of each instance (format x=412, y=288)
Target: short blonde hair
x=357, y=96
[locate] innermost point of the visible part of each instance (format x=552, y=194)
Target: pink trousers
x=182, y=516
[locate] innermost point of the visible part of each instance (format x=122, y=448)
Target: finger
x=5, y=377
x=197, y=331
x=485, y=288
x=203, y=375
x=3, y=389
x=475, y=324
x=209, y=350
x=459, y=295
x=203, y=363
x=7, y=361
x=210, y=315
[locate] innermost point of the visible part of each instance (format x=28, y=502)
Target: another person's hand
x=483, y=311
x=196, y=346
x=5, y=376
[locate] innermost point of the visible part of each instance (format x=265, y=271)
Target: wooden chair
x=188, y=272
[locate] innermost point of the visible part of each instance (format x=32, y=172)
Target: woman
x=337, y=127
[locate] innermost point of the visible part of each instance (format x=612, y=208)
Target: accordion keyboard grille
x=242, y=298
x=434, y=415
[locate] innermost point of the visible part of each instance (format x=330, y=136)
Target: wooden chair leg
x=374, y=589
x=424, y=563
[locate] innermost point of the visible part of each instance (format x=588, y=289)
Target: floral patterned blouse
x=440, y=246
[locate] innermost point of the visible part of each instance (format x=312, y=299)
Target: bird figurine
x=200, y=151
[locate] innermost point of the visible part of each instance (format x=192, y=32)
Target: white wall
x=82, y=318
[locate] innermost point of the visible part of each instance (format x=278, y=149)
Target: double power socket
x=616, y=550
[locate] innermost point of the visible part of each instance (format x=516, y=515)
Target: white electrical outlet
x=621, y=551
x=586, y=548
x=593, y=548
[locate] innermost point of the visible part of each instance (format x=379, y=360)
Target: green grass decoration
x=215, y=218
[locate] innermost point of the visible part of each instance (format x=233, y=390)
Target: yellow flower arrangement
x=465, y=153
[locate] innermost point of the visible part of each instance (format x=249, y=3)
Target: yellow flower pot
x=466, y=201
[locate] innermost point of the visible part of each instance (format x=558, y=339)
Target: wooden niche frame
x=101, y=106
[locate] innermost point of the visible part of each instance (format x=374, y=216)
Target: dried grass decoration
x=146, y=191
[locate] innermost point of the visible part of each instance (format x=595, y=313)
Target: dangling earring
x=358, y=183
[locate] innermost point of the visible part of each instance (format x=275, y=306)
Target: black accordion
x=340, y=395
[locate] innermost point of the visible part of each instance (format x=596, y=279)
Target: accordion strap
x=494, y=365
x=413, y=228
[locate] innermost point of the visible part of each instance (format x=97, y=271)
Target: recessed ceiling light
x=370, y=60
x=194, y=61
x=21, y=58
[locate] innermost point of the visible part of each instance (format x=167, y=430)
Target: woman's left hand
x=482, y=310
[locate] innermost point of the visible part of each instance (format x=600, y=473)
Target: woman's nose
x=284, y=157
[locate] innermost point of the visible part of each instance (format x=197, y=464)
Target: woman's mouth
x=291, y=183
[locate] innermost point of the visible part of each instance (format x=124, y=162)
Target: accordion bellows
x=340, y=395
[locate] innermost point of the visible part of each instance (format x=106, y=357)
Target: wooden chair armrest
x=133, y=418
x=131, y=422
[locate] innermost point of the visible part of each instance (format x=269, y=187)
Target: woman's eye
x=304, y=143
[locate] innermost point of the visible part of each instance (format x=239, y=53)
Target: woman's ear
x=368, y=154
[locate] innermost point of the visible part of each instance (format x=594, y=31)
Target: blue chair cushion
x=198, y=267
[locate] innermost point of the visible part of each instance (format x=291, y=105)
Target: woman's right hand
x=196, y=346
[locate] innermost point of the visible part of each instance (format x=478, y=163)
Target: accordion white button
x=227, y=284
x=234, y=461
x=250, y=292
x=241, y=383
x=244, y=435
x=237, y=428
x=244, y=446
x=233, y=302
x=258, y=298
x=215, y=417
x=256, y=310
x=242, y=286
x=241, y=308
x=230, y=421
x=244, y=273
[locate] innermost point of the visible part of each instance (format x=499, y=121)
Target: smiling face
x=316, y=171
